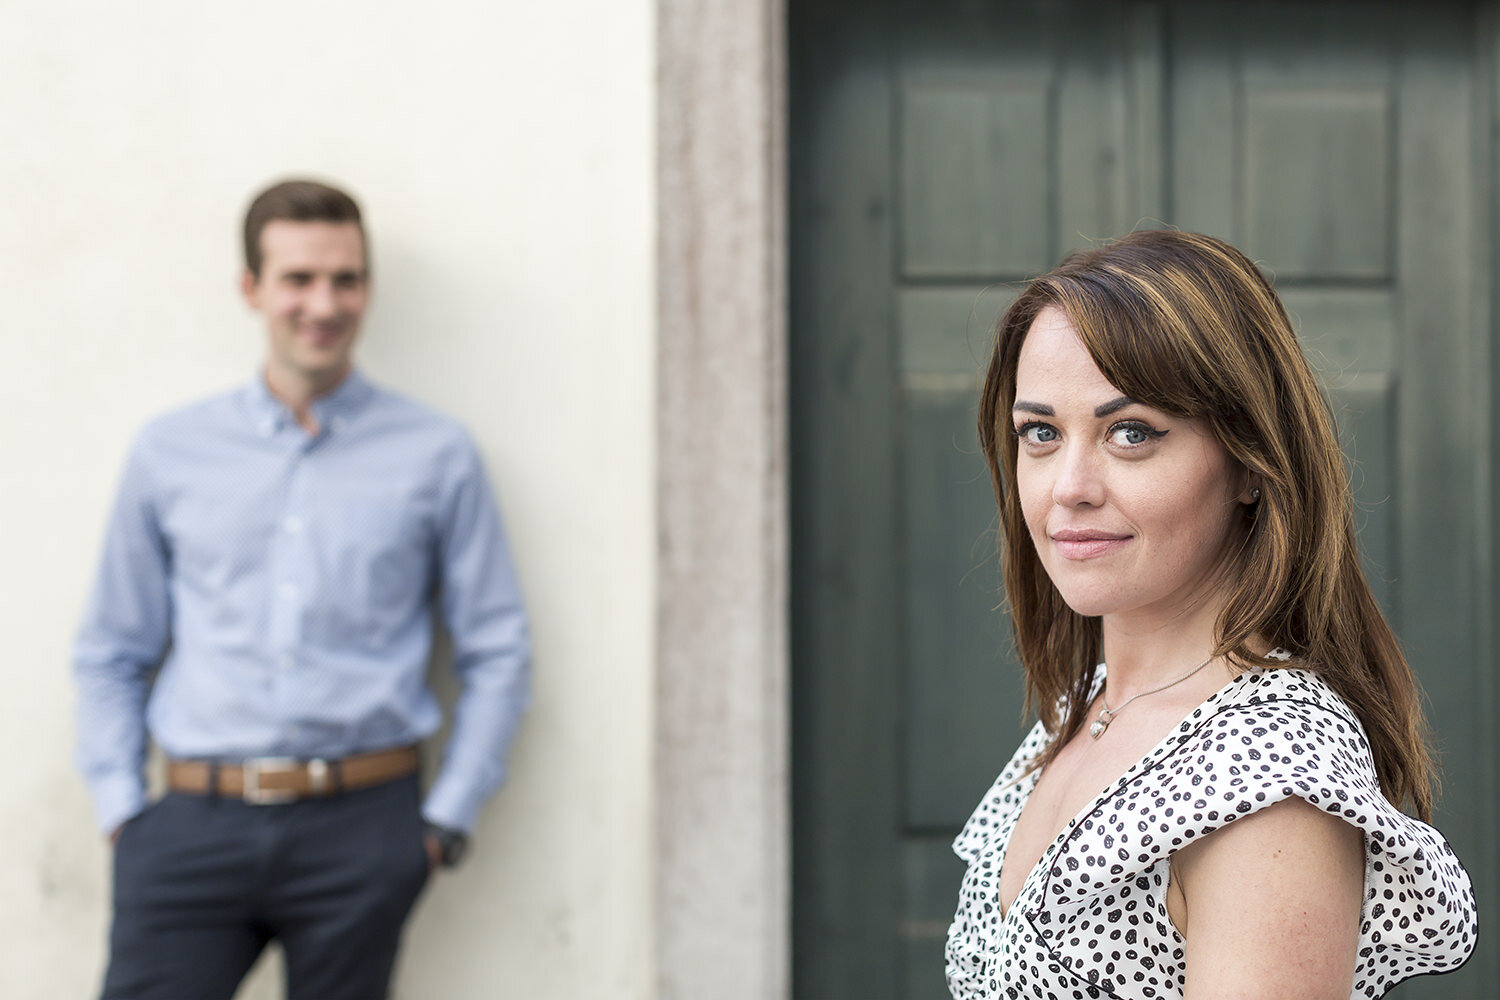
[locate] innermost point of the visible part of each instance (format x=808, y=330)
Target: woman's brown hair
x=1188, y=325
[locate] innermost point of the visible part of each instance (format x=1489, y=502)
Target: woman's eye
x=1133, y=434
x=1033, y=432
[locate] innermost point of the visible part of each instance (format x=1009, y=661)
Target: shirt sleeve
x=486, y=620
x=120, y=644
x=1418, y=911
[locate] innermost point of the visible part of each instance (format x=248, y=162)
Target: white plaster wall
x=503, y=153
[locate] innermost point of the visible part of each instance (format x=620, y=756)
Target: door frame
x=723, y=827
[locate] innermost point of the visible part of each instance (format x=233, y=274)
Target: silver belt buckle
x=253, y=768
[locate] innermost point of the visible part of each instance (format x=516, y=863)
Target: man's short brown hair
x=297, y=201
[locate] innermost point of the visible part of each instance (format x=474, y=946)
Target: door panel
x=955, y=634
x=1321, y=214
x=846, y=695
x=1350, y=337
x=943, y=153
x=977, y=170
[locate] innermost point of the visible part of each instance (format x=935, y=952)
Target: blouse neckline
x=1173, y=737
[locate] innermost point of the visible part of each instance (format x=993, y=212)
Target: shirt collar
x=332, y=411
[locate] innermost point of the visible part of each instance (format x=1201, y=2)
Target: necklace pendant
x=1100, y=725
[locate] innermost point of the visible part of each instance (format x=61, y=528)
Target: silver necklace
x=1107, y=714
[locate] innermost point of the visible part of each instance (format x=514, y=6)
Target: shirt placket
x=292, y=585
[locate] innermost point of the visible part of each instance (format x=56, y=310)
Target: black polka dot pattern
x=1091, y=920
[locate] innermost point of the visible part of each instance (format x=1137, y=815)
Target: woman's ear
x=1250, y=495
x=1249, y=488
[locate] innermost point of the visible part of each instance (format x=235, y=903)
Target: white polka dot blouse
x=1091, y=920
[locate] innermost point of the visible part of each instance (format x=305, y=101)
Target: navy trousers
x=202, y=884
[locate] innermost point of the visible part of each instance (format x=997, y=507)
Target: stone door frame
x=723, y=826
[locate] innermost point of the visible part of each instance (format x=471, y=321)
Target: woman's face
x=1130, y=509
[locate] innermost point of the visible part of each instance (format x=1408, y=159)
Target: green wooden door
x=943, y=152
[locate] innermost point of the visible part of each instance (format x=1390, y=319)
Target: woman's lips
x=1087, y=544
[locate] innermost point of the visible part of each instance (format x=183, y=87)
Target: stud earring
x=1255, y=495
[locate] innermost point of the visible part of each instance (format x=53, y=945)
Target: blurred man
x=264, y=611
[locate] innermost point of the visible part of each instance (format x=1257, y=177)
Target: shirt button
x=285, y=661
x=291, y=524
x=288, y=591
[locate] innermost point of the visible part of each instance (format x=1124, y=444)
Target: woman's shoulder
x=1271, y=735
x=1291, y=683
x=1286, y=710
x=1268, y=735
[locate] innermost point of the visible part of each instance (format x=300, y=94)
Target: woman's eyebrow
x=1042, y=409
x=1113, y=406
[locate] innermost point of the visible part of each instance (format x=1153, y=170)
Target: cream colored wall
x=504, y=154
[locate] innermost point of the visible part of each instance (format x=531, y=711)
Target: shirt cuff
x=447, y=806
x=117, y=798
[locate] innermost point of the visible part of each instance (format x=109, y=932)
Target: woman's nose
x=1080, y=478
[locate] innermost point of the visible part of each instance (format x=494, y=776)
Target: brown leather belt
x=276, y=780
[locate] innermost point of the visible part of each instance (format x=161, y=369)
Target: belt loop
x=336, y=772
x=213, y=779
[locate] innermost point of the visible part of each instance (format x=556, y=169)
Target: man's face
x=312, y=290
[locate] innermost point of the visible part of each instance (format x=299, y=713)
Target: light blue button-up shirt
x=266, y=592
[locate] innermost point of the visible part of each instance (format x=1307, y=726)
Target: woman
x=1210, y=803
